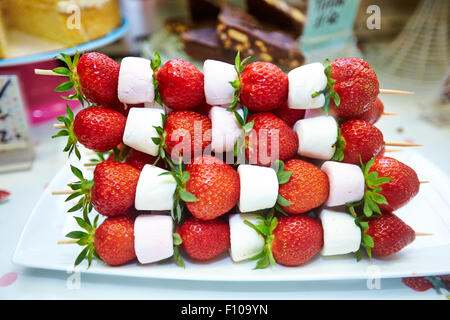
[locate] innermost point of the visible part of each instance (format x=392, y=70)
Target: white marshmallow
x=346, y=183
x=135, y=84
x=153, y=239
x=316, y=137
x=245, y=241
x=340, y=233
x=153, y=191
x=217, y=77
x=303, y=82
x=139, y=129
x=259, y=187
x=225, y=129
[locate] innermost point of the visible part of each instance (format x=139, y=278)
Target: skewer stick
x=401, y=144
x=58, y=126
x=69, y=241
x=390, y=114
x=91, y=164
x=424, y=182
x=47, y=73
x=62, y=192
x=392, y=91
x=421, y=234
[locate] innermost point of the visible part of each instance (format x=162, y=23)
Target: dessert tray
x=429, y=212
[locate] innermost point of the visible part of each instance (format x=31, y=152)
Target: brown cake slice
x=237, y=30
x=278, y=13
x=205, y=9
x=202, y=43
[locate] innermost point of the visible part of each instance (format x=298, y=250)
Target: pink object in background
x=42, y=102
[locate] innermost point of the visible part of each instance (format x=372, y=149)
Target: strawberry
x=356, y=84
x=203, y=108
x=359, y=141
x=138, y=159
x=187, y=132
x=4, y=195
x=204, y=240
x=271, y=139
x=180, y=85
x=264, y=87
x=373, y=114
x=307, y=187
x=445, y=277
x=215, y=184
x=390, y=234
x=296, y=240
x=403, y=185
x=96, y=128
x=288, y=115
x=114, y=187
x=112, y=241
x=418, y=283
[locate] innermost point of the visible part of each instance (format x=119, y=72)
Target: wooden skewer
x=393, y=150
x=47, y=73
x=58, y=126
x=424, y=182
x=402, y=144
x=69, y=241
x=421, y=234
x=392, y=91
x=91, y=164
x=62, y=192
x=390, y=114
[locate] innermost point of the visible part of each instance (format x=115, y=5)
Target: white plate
x=428, y=255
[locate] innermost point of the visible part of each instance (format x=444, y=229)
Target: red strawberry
x=373, y=114
x=187, y=129
x=215, y=184
x=139, y=159
x=271, y=139
x=356, y=84
x=418, y=283
x=390, y=234
x=4, y=195
x=180, y=84
x=264, y=87
x=114, y=240
x=307, y=188
x=360, y=138
x=98, y=75
x=114, y=187
x=445, y=277
x=288, y=115
x=403, y=186
x=203, y=108
x=204, y=240
x=99, y=129
x=296, y=240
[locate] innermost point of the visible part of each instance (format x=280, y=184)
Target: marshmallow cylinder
x=316, y=137
x=245, y=241
x=225, y=129
x=139, y=129
x=303, y=82
x=346, y=183
x=135, y=84
x=153, y=191
x=217, y=77
x=153, y=240
x=340, y=233
x=259, y=187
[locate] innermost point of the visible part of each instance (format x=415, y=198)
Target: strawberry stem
x=68, y=132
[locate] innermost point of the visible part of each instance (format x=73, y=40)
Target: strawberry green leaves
x=68, y=132
x=181, y=195
x=177, y=241
x=239, y=146
x=155, y=64
x=265, y=229
x=366, y=240
x=85, y=239
x=81, y=188
x=239, y=66
x=329, y=89
x=339, y=145
x=372, y=197
x=70, y=71
x=160, y=142
x=283, y=177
